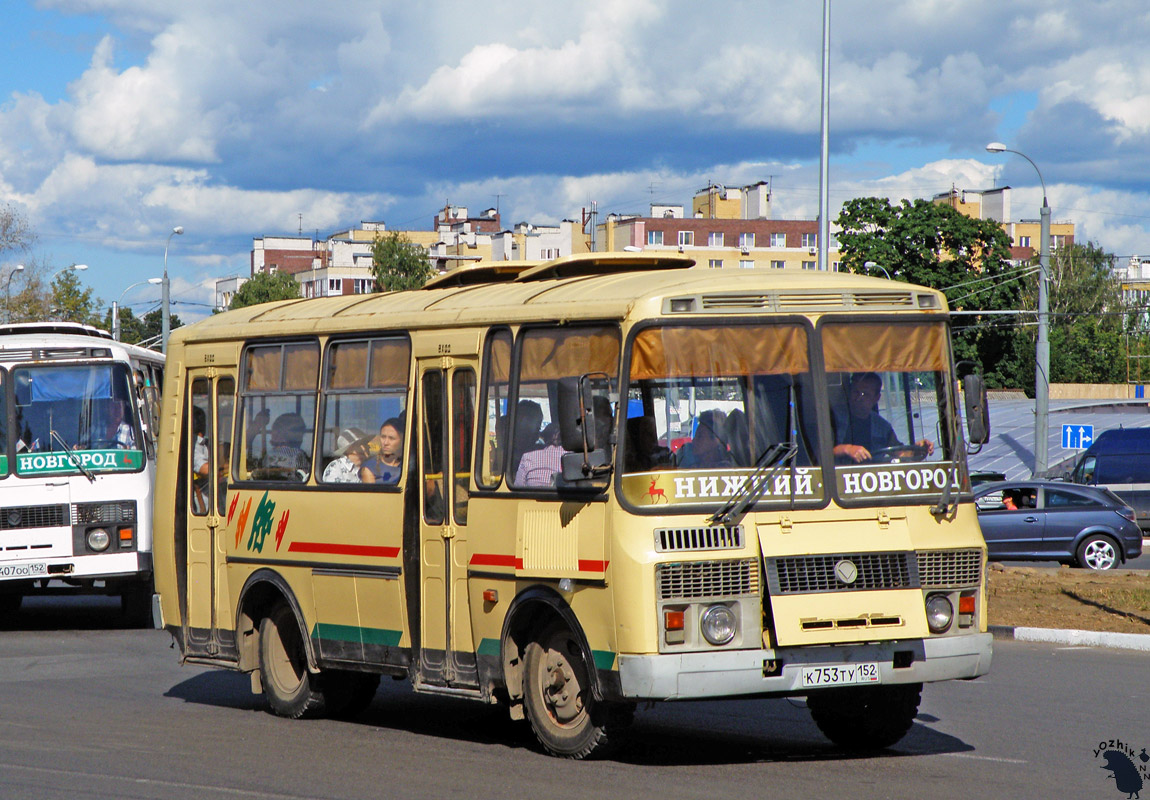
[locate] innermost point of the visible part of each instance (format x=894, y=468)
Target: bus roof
x=595, y=286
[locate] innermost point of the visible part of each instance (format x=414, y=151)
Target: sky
x=121, y=119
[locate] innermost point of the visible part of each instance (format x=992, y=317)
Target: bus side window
x=200, y=447
x=225, y=411
x=278, y=405
x=496, y=374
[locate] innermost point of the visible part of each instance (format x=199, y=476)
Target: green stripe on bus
x=604, y=659
x=354, y=633
x=488, y=647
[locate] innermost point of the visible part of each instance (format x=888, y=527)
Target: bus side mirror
x=977, y=410
x=584, y=411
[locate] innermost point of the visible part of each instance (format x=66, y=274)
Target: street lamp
x=1042, y=349
x=69, y=268
x=116, y=305
x=166, y=299
x=869, y=265
x=8, y=292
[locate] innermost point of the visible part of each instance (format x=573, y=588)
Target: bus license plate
x=841, y=675
x=23, y=570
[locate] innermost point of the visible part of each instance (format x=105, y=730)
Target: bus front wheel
x=867, y=717
x=557, y=696
x=292, y=691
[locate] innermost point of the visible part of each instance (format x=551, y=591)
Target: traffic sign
x=1077, y=437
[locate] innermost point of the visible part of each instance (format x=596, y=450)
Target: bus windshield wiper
x=75, y=459
x=766, y=466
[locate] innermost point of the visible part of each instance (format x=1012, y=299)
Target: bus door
x=211, y=402
x=445, y=421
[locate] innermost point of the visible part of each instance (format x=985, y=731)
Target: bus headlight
x=98, y=539
x=718, y=625
x=939, y=613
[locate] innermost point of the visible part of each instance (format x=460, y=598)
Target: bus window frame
x=324, y=394
x=239, y=431
x=114, y=364
x=814, y=365
x=553, y=491
x=480, y=450
x=958, y=456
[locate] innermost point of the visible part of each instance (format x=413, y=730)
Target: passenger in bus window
x=643, y=451
x=285, y=452
x=201, y=462
x=528, y=418
x=385, y=466
x=861, y=431
x=350, y=454
x=119, y=429
x=706, y=450
x=539, y=467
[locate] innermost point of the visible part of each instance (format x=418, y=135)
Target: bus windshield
x=85, y=410
x=890, y=400
x=708, y=402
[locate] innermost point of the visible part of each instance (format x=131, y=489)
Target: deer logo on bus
x=655, y=493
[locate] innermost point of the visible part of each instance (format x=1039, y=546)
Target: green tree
x=934, y=245
x=154, y=322
x=131, y=326
x=397, y=263
x=1087, y=340
x=71, y=301
x=264, y=287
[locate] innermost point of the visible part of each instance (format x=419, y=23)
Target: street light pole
x=166, y=299
x=824, y=233
x=8, y=293
x=1042, y=349
x=116, y=305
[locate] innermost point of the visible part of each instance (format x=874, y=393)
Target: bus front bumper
x=728, y=673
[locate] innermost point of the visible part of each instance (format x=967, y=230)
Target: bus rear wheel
x=558, y=699
x=292, y=691
x=867, y=717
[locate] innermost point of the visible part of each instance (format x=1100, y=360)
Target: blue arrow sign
x=1077, y=437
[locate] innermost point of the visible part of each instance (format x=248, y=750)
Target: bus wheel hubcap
x=561, y=689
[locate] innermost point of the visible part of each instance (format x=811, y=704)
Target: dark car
x=1119, y=460
x=1052, y=521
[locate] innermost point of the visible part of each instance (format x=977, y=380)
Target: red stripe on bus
x=324, y=548
x=495, y=560
x=592, y=566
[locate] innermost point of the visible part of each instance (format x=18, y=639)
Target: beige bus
x=576, y=486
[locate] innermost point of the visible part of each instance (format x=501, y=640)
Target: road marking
x=985, y=758
x=202, y=787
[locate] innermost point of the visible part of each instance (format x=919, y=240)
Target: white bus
x=77, y=464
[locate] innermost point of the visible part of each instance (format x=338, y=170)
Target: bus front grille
x=867, y=571
x=103, y=513
x=942, y=569
x=715, y=537
x=699, y=580
x=21, y=517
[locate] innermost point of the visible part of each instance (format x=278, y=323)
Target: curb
x=1122, y=641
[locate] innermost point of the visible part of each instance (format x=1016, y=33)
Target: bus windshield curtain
x=69, y=384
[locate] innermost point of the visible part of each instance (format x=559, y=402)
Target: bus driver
x=862, y=431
